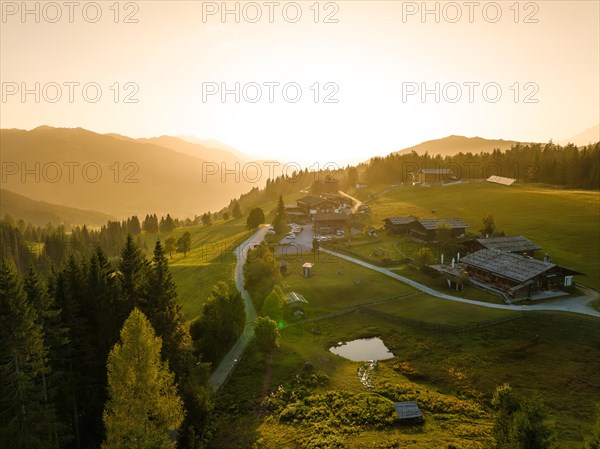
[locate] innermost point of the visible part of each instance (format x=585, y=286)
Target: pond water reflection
x=363, y=349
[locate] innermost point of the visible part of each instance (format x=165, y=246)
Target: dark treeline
x=56, y=334
x=566, y=166
x=310, y=182
x=44, y=247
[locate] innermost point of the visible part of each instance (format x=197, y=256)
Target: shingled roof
x=400, y=220
x=312, y=200
x=513, y=244
x=330, y=216
x=435, y=171
x=408, y=410
x=452, y=222
x=507, y=265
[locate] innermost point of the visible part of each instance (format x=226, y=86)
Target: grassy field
x=563, y=222
x=337, y=284
x=210, y=260
x=332, y=288
x=452, y=379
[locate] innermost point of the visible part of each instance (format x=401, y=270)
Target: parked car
x=339, y=232
x=291, y=236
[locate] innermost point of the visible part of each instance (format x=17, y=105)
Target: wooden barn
x=518, y=276
x=399, y=225
x=426, y=230
x=433, y=175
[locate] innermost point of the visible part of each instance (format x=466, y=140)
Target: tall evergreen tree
x=143, y=405
x=24, y=418
x=54, y=334
x=279, y=222
x=236, y=211
x=132, y=273
x=164, y=312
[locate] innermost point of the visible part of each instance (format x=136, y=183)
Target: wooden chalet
x=312, y=205
x=433, y=175
x=517, y=276
x=329, y=222
x=295, y=213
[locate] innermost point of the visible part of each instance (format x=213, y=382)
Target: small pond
x=362, y=349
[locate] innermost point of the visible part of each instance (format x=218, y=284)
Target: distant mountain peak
x=454, y=144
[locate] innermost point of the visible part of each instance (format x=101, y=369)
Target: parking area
x=302, y=241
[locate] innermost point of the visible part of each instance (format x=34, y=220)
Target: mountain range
x=40, y=213
x=119, y=175
x=66, y=175
x=451, y=145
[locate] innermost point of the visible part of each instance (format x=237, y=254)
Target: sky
x=308, y=81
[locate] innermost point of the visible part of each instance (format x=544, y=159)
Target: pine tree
x=164, y=312
x=143, y=405
x=25, y=420
x=235, y=210
x=54, y=334
x=279, y=222
x=132, y=273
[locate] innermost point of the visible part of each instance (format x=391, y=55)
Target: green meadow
x=276, y=403
x=563, y=222
x=211, y=259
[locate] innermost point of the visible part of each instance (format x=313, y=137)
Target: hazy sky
x=516, y=70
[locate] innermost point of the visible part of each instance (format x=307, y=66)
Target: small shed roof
x=435, y=171
x=501, y=180
x=294, y=298
x=408, y=410
x=454, y=223
x=511, y=244
x=400, y=220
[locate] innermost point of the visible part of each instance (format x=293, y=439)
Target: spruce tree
x=164, y=312
x=132, y=273
x=24, y=420
x=235, y=210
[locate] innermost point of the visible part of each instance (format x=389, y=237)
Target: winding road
x=579, y=304
x=220, y=375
